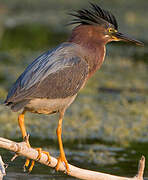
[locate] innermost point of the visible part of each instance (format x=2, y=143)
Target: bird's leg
x=26, y=139
x=24, y=134
x=62, y=157
x=23, y=129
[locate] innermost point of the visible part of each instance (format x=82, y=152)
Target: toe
x=48, y=156
x=39, y=153
x=26, y=164
x=38, y=157
x=58, y=164
x=62, y=160
x=32, y=165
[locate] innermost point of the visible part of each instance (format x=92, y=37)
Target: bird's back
x=56, y=74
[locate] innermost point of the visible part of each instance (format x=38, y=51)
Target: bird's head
x=103, y=23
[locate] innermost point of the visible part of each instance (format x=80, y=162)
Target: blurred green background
x=106, y=127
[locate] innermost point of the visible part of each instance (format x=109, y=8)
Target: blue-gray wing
x=58, y=73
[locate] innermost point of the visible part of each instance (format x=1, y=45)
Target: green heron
x=51, y=82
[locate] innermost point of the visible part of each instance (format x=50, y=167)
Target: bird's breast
x=95, y=60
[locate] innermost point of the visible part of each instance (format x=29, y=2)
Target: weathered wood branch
x=22, y=149
x=2, y=168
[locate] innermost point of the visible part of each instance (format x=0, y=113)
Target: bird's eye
x=110, y=30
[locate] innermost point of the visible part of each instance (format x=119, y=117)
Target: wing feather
x=55, y=74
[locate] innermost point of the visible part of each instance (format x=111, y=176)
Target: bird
x=52, y=81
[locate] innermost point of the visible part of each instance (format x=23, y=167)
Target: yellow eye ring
x=110, y=30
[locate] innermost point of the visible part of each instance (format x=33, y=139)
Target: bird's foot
x=26, y=139
x=38, y=158
x=62, y=159
x=26, y=165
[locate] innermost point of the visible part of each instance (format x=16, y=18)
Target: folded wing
x=58, y=73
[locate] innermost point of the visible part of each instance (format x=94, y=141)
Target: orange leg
x=22, y=127
x=24, y=134
x=62, y=157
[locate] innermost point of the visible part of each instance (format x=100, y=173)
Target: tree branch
x=22, y=150
x=2, y=168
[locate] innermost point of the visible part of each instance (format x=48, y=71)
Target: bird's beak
x=121, y=37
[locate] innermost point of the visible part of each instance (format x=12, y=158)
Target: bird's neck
x=93, y=46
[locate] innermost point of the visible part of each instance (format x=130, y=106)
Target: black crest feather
x=95, y=15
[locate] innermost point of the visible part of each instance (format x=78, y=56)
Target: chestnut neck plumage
x=92, y=41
